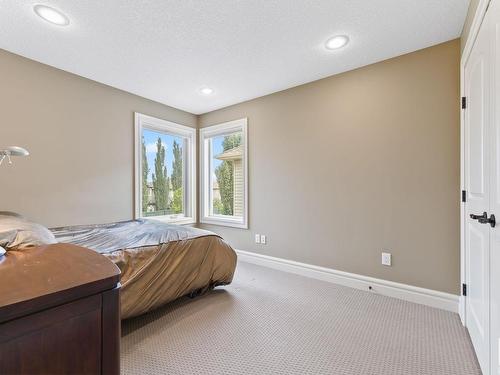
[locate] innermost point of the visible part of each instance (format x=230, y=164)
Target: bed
x=159, y=262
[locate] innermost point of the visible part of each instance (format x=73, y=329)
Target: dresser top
x=46, y=276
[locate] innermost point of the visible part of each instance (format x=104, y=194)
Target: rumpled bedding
x=159, y=262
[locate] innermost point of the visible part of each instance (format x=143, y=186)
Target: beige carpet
x=271, y=322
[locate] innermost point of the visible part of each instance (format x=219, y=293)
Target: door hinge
x=464, y=102
x=464, y=196
x=464, y=289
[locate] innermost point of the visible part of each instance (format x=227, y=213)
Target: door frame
x=471, y=38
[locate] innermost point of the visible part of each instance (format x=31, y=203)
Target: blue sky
x=216, y=150
x=150, y=139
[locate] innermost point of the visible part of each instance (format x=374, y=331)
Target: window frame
x=206, y=134
x=141, y=122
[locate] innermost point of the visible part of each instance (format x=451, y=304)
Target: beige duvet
x=159, y=262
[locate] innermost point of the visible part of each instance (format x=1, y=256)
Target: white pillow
x=17, y=233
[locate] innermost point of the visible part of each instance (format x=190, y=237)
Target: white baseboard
x=428, y=297
x=461, y=309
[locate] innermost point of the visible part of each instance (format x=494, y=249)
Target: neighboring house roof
x=235, y=153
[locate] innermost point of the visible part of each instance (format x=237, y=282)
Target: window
x=165, y=170
x=223, y=163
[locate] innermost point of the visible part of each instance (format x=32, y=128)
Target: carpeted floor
x=272, y=322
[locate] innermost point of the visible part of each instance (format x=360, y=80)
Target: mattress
x=159, y=262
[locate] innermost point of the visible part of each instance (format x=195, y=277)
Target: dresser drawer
x=54, y=340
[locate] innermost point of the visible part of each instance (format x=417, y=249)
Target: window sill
x=166, y=219
x=225, y=222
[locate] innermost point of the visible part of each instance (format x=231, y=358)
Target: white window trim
x=152, y=123
x=212, y=131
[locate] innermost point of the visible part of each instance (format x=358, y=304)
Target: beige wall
x=351, y=165
x=468, y=22
x=80, y=135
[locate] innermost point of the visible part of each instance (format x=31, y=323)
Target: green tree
x=160, y=179
x=176, y=179
x=231, y=141
x=177, y=201
x=145, y=171
x=218, y=207
x=177, y=167
x=224, y=175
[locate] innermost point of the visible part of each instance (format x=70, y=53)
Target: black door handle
x=479, y=217
x=483, y=219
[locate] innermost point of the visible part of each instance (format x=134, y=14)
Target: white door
x=482, y=181
x=494, y=27
x=477, y=181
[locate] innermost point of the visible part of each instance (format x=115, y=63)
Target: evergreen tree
x=160, y=180
x=145, y=171
x=224, y=173
x=177, y=201
x=177, y=167
x=176, y=179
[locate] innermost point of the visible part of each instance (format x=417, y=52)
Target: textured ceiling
x=166, y=50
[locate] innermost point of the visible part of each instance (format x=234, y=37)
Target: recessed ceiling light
x=206, y=91
x=51, y=15
x=337, y=42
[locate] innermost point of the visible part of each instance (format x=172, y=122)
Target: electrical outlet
x=257, y=238
x=263, y=239
x=386, y=259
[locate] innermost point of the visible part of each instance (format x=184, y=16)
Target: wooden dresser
x=59, y=312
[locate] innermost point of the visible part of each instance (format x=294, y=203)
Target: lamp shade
x=16, y=151
x=12, y=151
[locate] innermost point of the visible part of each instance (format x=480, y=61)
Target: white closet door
x=494, y=31
x=477, y=180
